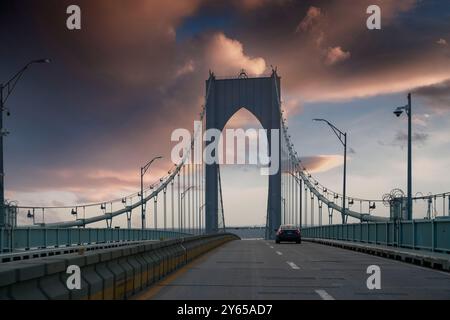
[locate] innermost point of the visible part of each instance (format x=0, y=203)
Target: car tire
x=277, y=241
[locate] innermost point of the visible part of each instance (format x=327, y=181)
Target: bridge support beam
x=260, y=96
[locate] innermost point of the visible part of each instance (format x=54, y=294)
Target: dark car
x=289, y=233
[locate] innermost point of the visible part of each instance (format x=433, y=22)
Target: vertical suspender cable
x=165, y=207
x=172, y=203
x=183, y=200
x=179, y=201
x=188, y=225
x=155, y=209
x=306, y=206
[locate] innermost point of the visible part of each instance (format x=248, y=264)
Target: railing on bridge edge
x=431, y=235
x=12, y=240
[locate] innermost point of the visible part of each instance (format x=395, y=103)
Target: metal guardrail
x=431, y=235
x=12, y=240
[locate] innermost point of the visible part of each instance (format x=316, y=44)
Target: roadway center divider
x=107, y=274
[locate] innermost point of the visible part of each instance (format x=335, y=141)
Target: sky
x=81, y=127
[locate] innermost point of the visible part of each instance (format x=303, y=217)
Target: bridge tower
x=260, y=96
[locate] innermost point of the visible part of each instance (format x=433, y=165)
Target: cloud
x=421, y=119
x=292, y=105
x=418, y=138
x=133, y=45
x=442, y=42
x=401, y=139
x=436, y=96
x=226, y=56
x=312, y=17
x=187, y=68
x=391, y=61
x=243, y=119
x=257, y=4
x=321, y=163
x=132, y=82
x=336, y=55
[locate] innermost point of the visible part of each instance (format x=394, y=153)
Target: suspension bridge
x=182, y=216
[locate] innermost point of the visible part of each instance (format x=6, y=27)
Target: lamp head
x=398, y=112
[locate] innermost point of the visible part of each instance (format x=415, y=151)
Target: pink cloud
x=311, y=18
x=442, y=42
x=322, y=163
x=226, y=56
x=336, y=55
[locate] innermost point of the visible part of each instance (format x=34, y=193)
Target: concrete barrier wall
x=107, y=274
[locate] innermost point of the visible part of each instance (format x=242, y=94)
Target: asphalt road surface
x=259, y=269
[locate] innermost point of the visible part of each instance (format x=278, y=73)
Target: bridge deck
x=258, y=269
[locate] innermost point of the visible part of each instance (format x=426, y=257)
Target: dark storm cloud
x=361, y=62
x=436, y=96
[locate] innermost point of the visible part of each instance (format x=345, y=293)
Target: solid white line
x=324, y=295
x=293, y=265
x=279, y=253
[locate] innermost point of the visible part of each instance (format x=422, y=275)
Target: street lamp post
x=342, y=136
x=398, y=112
x=5, y=91
x=143, y=171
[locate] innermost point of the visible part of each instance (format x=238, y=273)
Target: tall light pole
x=342, y=136
x=398, y=112
x=5, y=91
x=143, y=171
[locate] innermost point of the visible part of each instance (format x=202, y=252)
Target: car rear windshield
x=288, y=228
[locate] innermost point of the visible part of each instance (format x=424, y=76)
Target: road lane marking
x=279, y=253
x=271, y=247
x=293, y=265
x=324, y=295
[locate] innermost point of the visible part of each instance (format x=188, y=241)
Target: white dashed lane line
x=293, y=265
x=279, y=253
x=324, y=295
x=271, y=247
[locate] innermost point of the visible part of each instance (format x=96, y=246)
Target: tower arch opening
x=243, y=186
x=261, y=97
